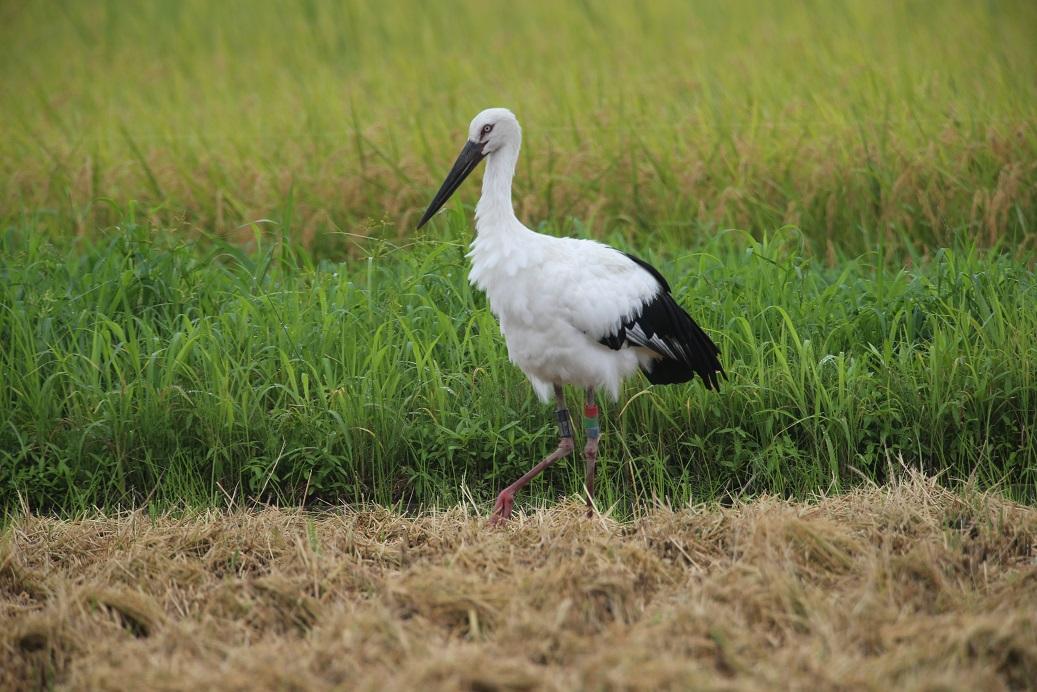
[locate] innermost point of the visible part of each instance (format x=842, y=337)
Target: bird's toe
x=502, y=509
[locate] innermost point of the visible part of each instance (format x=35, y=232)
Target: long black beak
x=466, y=162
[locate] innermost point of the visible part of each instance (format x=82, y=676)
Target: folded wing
x=662, y=326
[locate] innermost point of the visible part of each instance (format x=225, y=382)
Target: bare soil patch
x=910, y=586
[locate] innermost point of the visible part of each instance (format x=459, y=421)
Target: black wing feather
x=665, y=328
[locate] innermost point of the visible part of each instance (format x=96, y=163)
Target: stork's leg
x=590, y=451
x=502, y=510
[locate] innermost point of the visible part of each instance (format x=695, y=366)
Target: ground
x=910, y=585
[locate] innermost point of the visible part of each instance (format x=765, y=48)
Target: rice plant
x=142, y=368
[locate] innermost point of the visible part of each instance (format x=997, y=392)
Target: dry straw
x=909, y=586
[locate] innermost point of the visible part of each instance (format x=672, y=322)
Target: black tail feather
x=663, y=326
x=698, y=351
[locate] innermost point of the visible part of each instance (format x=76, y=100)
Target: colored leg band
x=590, y=420
x=564, y=427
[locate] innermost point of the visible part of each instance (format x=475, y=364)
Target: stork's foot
x=502, y=509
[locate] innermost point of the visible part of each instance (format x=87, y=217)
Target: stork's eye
x=486, y=129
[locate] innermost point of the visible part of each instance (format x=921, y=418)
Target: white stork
x=572, y=311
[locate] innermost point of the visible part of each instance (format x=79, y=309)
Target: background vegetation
x=210, y=289
x=865, y=123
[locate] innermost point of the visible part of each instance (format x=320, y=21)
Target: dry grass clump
x=911, y=585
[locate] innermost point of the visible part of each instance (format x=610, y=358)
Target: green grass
x=142, y=369
x=902, y=124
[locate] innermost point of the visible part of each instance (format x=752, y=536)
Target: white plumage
x=572, y=311
x=555, y=299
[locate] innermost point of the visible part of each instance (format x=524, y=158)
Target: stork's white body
x=554, y=298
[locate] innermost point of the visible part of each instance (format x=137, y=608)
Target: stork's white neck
x=494, y=210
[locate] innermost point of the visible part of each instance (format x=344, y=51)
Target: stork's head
x=492, y=130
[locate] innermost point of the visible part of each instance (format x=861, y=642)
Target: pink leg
x=502, y=509
x=590, y=451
